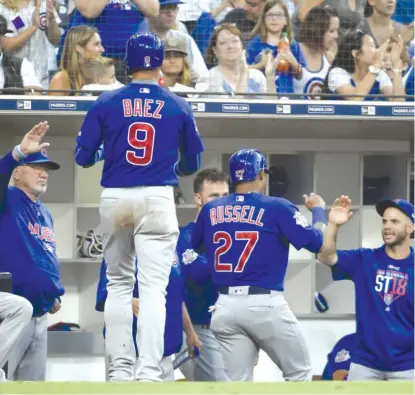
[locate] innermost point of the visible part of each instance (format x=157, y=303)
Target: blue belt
x=251, y=291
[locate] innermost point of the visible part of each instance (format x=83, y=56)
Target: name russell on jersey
x=242, y=214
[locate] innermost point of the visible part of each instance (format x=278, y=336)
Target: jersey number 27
x=250, y=238
x=146, y=145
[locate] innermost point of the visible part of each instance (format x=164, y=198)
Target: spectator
x=175, y=67
x=266, y=35
x=189, y=12
x=220, y=8
x=30, y=33
x=379, y=24
x=350, y=13
x=81, y=44
x=246, y=18
x=99, y=75
x=231, y=74
x=164, y=25
x=388, y=61
x=318, y=42
x=243, y=16
x=15, y=72
x=116, y=21
x=167, y=18
x=339, y=359
x=357, y=69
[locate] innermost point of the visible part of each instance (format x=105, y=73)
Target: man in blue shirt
x=246, y=236
x=28, y=248
x=339, y=359
x=384, y=288
x=201, y=294
x=148, y=138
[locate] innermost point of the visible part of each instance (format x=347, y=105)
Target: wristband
x=19, y=152
x=319, y=215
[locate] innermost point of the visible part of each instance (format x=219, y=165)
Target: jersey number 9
x=146, y=145
x=251, y=238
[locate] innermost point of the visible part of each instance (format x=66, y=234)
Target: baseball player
x=28, y=248
x=246, y=237
x=177, y=319
x=384, y=289
x=142, y=127
x=15, y=315
x=200, y=294
x=338, y=360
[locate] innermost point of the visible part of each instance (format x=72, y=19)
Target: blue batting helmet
x=246, y=164
x=144, y=51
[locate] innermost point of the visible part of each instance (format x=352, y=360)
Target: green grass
x=316, y=387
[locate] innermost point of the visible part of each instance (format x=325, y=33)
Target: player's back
x=144, y=125
x=243, y=236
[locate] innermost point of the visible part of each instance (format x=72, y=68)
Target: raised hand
x=313, y=200
x=340, y=212
x=31, y=142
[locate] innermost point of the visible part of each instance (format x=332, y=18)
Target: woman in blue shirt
x=273, y=22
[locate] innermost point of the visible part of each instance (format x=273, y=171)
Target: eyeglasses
x=275, y=16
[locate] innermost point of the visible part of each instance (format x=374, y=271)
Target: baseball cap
x=3, y=26
x=40, y=157
x=403, y=205
x=175, y=43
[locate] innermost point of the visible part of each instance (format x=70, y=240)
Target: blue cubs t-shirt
x=384, y=290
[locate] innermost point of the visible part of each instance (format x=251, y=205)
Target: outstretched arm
x=31, y=143
x=339, y=214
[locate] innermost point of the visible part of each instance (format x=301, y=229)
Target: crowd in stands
x=317, y=49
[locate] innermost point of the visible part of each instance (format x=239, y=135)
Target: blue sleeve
x=197, y=272
x=195, y=267
x=187, y=165
x=203, y=30
x=102, y=288
x=7, y=165
x=296, y=229
x=90, y=138
x=198, y=232
x=349, y=262
x=341, y=355
x=190, y=141
x=190, y=146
